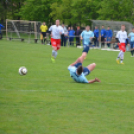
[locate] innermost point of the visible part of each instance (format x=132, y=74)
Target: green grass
x=48, y=101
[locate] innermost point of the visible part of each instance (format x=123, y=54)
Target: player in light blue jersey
x=131, y=36
x=86, y=37
x=78, y=72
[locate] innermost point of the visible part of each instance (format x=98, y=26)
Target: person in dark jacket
x=109, y=35
x=1, y=26
x=96, y=37
x=77, y=34
x=103, y=36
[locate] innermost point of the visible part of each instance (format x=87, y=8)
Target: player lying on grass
x=86, y=37
x=78, y=72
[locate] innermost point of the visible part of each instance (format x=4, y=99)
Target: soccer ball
x=22, y=71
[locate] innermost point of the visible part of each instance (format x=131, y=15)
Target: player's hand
x=97, y=80
x=81, y=38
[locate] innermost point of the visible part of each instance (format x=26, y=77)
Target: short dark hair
x=79, y=70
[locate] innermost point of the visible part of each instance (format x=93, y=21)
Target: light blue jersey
x=86, y=35
x=78, y=78
x=131, y=35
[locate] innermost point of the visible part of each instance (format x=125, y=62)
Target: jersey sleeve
x=41, y=27
x=129, y=35
x=46, y=28
x=126, y=35
x=92, y=34
x=82, y=33
x=50, y=29
x=117, y=35
x=69, y=68
x=85, y=80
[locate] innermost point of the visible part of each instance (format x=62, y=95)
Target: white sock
x=55, y=54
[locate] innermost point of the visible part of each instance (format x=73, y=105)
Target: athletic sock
x=44, y=41
x=53, y=53
x=121, y=60
x=133, y=52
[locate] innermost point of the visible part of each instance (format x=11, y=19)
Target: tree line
x=69, y=11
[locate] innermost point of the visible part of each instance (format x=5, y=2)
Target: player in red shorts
x=121, y=38
x=56, y=31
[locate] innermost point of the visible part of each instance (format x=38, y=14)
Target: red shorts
x=122, y=47
x=55, y=43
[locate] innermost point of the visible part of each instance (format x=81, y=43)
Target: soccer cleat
x=53, y=59
x=122, y=63
x=117, y=61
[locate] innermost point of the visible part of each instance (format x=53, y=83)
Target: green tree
x=117, y=10
x=38, y=10
x=10, y=9
x=75, y=11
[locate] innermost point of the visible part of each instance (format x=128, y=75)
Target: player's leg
x=54, y=51
x=85, y=51
x=91, y=67
x=119, y=55
x=122, y=57
x=133, y=48
x=44, y=36
x=79, y=60
x=88, y=69
x=131, y=45
x=41, y=38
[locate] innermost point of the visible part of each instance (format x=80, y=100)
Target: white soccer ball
x=22, y=71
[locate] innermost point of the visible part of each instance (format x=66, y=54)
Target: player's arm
x=92, y=36
x=117, y=38
x=94, y=80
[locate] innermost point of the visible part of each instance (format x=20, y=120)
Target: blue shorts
x=86, y=71
x=86, y=48
x=109, y=39
x=132, y=45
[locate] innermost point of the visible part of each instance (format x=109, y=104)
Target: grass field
x=48, y=101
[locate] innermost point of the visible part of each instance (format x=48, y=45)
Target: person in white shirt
x=121, y=39
x=64, y=36
x=56, y=31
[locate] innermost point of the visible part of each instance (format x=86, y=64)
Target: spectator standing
x=43, y=29
x=103, y=36
x=1, y=26
x=64, y=36
x=71, y=36
x=78, y=33
x=131, y=36
x=96, y=37
x=109, y=35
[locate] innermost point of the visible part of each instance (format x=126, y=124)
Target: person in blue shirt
x=109, y=35
x=131, y=36
x=71, y=36
x=86, y=37
x=1, y=26
x=103, y=36
x=96, y=37
x=78, y=72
